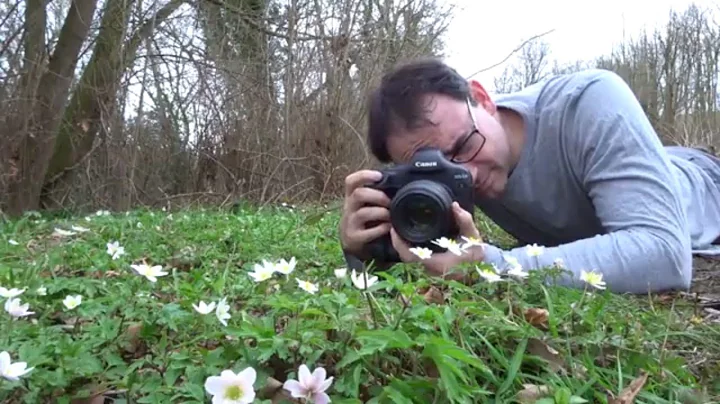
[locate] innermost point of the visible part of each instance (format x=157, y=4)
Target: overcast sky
x=485, y=32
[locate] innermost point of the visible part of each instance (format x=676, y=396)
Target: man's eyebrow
x=456, y=144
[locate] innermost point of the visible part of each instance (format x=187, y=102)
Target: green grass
x=142, y=342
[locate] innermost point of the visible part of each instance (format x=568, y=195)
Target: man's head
x=427, y=103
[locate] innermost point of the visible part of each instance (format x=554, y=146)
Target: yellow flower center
x=233, y=392
x=593, y=278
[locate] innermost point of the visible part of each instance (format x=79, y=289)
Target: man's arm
x=625, y=172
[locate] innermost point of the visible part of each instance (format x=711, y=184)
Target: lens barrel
x=421, y=211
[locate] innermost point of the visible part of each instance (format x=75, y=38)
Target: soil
x=705, y=289
x=706, y=277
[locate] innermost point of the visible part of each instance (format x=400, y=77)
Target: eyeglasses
x=465, y=146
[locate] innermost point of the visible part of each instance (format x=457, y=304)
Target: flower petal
x=321, y=398
x=318, y=377
x=295, y=388
x=248, y=392
x=326, y=384
x=215, y=385
x=248, y=375
x=304, y=375
x=4, y=361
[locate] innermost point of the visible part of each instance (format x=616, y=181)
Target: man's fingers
x=367, y=196
x=370, y=214
x=364, y=236
x=360, y=178
x=465, y=222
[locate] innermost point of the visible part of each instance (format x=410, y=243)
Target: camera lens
x=422, y=211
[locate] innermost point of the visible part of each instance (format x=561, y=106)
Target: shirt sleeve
x=623, y=167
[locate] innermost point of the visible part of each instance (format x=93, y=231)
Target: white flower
x=310, y=386
x=471, y=242
x=42, y=291
x=593, y=279
x=15, y=309
x=263, y=272
x=204, y=308
x=488, y=274
x=231, y=388
x=223, y=311
x=559, y=263
x=10, y=293
x=63, y=233
x=149, y=272
x=449, y=244
x=518, y=272
x=72, y=302
x=103, y=213
x=79, y=229
x=13, y=242
x=359, y=280
x=422, y=252
x=307, y=286
x=115, y=250
x=512, y=261
x=340, y=272
x=12, y=371
x=285, y=267
x=534, y=250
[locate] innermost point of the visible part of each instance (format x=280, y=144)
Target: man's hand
x=441, y=263
x=363, y=205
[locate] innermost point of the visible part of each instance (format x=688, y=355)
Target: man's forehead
x=402, y=145
x=447, y=124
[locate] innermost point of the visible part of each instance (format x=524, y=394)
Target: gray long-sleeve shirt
x=596, y=187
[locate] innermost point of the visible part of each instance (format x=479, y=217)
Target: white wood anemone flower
x=593, y=279
x=262, y=272
x=204, y=308
x=10, y=293
x=534, y=250
x=17, y=310
x=151, y=273
x=449, y=244
x=12, y=371
x=310, y=386
x=231, y=388
x=284, y=267
x=359, y=280
x=488, y=274
x=422, y=252
x=72, y=302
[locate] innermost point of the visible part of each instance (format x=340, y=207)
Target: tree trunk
x=37, y=143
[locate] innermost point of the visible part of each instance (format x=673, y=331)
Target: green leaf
x=514, y=366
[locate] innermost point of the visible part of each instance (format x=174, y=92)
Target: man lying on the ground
x=571, y=163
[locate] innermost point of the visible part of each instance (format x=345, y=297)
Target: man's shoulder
x=564, y=90
x=558, y=92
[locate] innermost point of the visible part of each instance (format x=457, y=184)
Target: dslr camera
x=421, y=193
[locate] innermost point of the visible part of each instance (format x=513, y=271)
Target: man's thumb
x=464, y=221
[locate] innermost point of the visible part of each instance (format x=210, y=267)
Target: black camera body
x=421, y=193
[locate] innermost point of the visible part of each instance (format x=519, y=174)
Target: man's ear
x=478, y=93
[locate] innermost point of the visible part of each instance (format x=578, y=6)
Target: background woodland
x=116, y=104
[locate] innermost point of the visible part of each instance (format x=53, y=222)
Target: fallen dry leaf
x=95, y=395
x=132, y=343
x=537, y=317
x=434, y=295
x=531, y=393
x=546, y=352
x=627, y=396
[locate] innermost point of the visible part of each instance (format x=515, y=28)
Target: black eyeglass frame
x=462, y=144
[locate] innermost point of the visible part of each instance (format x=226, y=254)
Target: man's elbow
x=677, y=264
